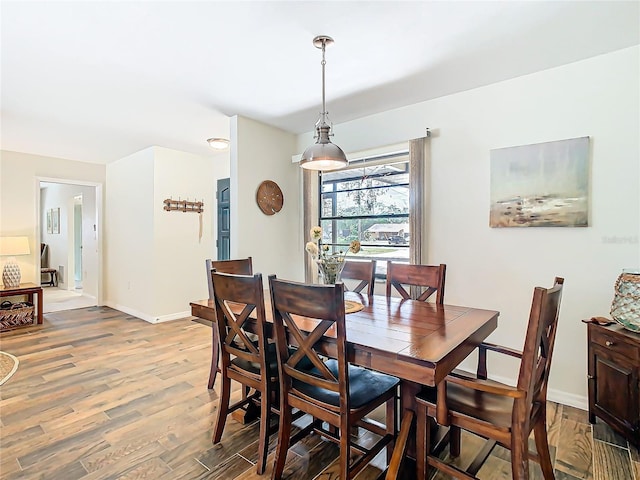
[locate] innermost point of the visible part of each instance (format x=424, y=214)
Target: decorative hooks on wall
x=171, y=205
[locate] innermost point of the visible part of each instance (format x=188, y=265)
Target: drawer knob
x=608, y=343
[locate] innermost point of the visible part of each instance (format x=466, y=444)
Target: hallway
x=56, y=299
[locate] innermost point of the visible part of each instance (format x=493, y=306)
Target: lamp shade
x=323, y=156
x=12, y=246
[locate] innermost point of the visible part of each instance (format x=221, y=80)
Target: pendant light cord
x=323, y=63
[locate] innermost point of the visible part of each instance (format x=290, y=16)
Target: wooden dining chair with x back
x=502, y=414
x=428, y=278
x=240, y=299
x=331, y=391
x=241, y=266
x=365, y=271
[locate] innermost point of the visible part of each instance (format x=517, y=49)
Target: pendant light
x=323, y=155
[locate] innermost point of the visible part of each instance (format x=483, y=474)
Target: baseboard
x=145, y=316
x=131, y=311
x=173, y=316
x=565, y=398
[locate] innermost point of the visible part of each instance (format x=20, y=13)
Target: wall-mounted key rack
x=171, y=205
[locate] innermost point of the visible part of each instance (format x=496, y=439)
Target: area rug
x=8, y=366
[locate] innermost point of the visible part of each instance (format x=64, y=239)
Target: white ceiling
x=96, y=81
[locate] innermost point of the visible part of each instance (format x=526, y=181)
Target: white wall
x=179, y=253
x=260, y=152
x=60, y=195
x=498, y=268
x=129, y=255
x=155, y=260
x=19, y=191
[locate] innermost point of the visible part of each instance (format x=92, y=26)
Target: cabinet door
x=615, y=387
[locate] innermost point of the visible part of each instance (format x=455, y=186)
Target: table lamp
x=12, y=246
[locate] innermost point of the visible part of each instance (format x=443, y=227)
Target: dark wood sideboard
x=614, y=379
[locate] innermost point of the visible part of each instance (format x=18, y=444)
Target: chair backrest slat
x=240, y=266
x=539, y=341
x=321, y=308
x=359, y=270
x=236, y=298
x=430, y=277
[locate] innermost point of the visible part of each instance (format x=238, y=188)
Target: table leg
x=39, y=313
x=408, y=392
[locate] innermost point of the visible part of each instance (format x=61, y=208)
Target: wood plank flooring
x=102, y=395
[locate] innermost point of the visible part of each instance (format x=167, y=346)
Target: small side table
x=614, y=379
x=28, y=289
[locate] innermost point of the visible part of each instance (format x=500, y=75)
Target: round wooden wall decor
x=269, y=197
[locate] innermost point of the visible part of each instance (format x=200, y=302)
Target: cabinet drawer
x=617, y=344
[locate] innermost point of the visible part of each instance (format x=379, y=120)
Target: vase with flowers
x=329, y=263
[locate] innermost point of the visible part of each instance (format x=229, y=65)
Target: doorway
x=73, y=248
x=223, y=196
x=77, y=241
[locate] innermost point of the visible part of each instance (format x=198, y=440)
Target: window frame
x=399, y=157
x=419, y=178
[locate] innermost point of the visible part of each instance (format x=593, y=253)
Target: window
x=368, y=201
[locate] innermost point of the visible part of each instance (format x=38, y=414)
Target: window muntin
x=369, y=203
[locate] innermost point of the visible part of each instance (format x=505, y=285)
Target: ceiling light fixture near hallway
x=218, y=143
x=323, y=155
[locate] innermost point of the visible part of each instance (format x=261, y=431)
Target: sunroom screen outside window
x=369, y=203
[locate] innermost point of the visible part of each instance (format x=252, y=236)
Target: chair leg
x=284, y=435
x=345, y=439
x=423, y=431
x=223, y=409
x=542, y=445
x=390, y=423
x=519, y=457
x=265, y=422
x=215, y=353
x=454, y=441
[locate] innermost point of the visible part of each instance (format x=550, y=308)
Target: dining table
x=418, y=342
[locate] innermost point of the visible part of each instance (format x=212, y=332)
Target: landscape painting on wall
x=541, y=185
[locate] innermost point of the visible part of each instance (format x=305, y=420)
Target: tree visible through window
x=369, y=203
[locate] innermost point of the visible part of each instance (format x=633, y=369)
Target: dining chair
x=242, y=266
x=331, y=391
x=429, y=277
x=502, y=414
x=250, y=362
x=365, y=271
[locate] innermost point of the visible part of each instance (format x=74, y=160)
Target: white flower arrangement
x=329, y=264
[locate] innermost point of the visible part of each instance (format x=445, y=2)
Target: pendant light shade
x=323, y=155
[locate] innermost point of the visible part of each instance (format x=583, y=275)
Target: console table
x=28, y=289
x=614, y=379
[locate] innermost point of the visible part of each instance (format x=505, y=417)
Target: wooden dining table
x=418, y=342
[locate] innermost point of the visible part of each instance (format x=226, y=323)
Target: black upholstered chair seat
x=364, y=385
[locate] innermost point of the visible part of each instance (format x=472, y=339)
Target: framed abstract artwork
x=541, y=185
x=55, y=220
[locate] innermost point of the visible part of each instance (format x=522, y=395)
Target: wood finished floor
x=102, y=395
